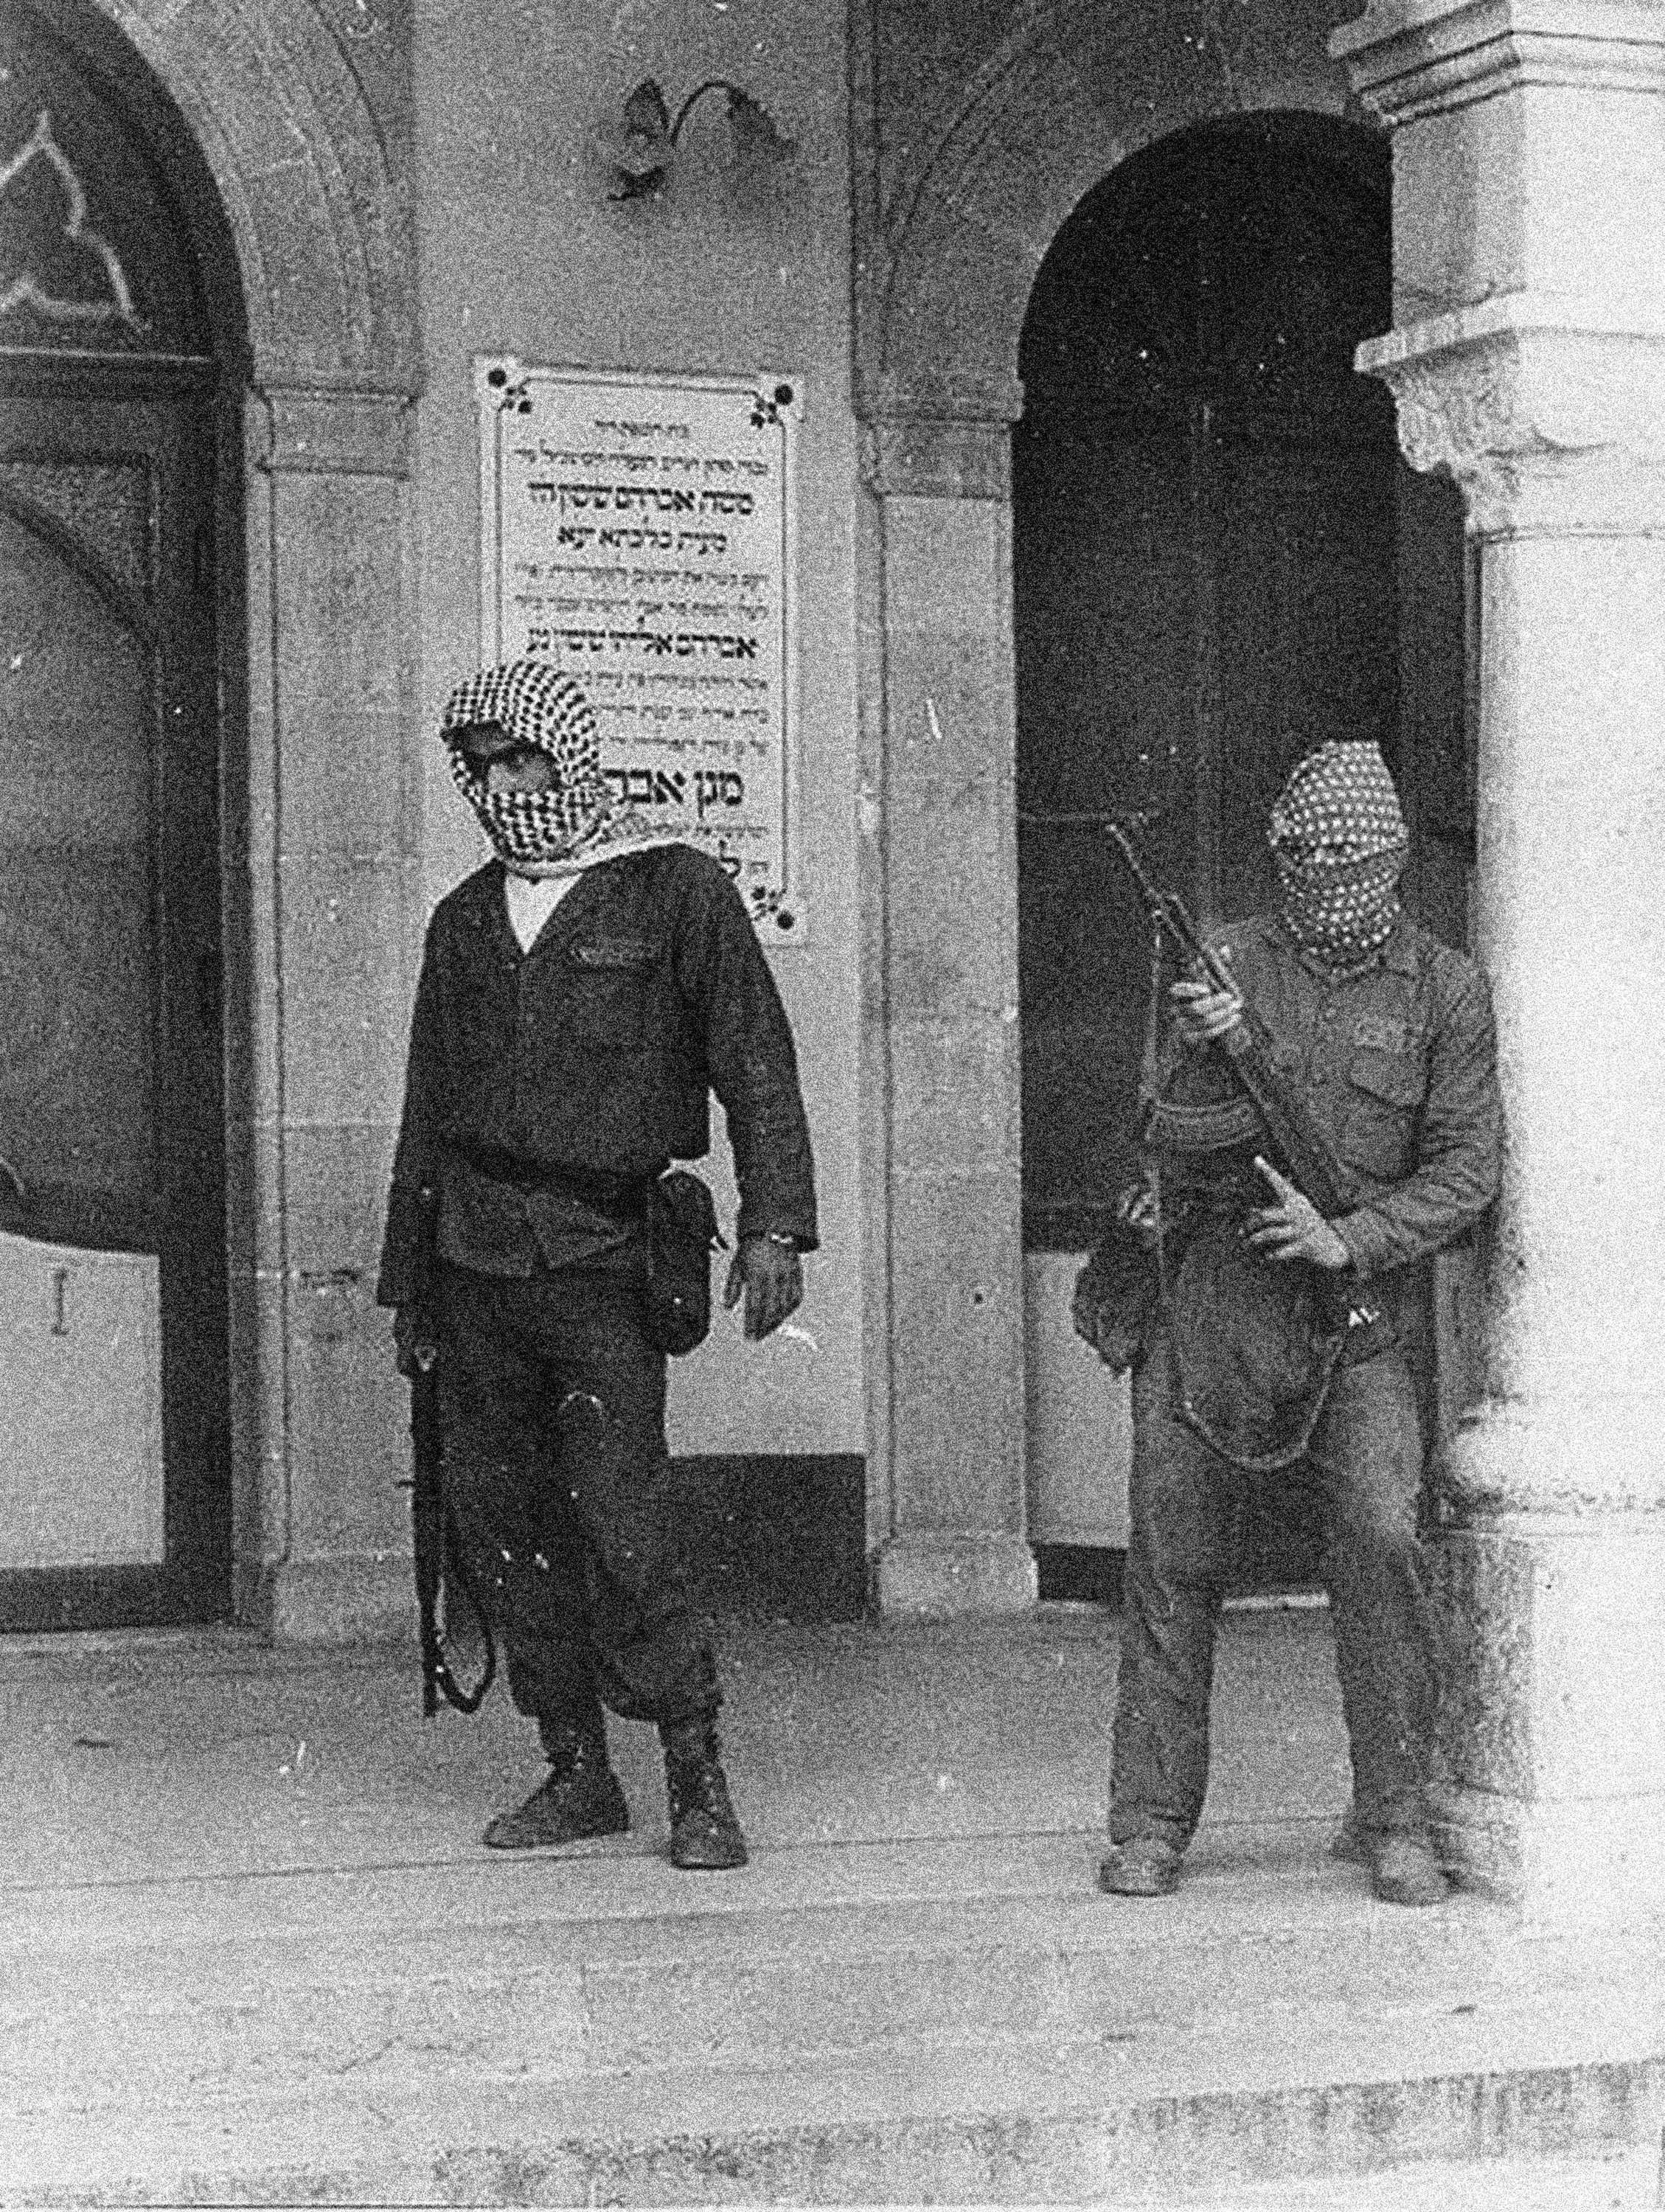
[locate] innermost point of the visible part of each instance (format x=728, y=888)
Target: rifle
x=1309, y=1157
x=437, y=1553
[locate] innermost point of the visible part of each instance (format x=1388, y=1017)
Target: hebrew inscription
x=641, y=534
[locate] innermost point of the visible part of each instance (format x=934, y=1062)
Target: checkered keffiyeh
x=1339, y=841
x=576, y=823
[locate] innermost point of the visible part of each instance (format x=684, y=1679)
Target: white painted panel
x=1079, y=1417
x=81, y=1455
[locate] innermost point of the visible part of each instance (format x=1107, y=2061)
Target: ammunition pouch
x=681, y=1235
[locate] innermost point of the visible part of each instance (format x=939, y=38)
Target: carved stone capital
x=948, y=395
x=322, y=431
x=946, y=436
x=919, y=460
x=1410, y=59
x=1551, y=416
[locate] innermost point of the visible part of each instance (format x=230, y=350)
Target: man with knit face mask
x=581, y=995
x=1388, y=1036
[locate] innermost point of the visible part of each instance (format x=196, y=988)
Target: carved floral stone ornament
x=1548, y=413
x=89, y=253
x=639, y=148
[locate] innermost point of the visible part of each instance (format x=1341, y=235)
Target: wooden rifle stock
x=433, y=1536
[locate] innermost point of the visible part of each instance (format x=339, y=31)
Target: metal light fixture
x=640, y=148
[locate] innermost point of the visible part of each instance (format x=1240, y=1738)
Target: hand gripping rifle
x=1310, y=1161
x=437, y=1552
x=1308, y=1158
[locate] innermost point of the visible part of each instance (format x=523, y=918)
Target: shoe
x=1143, y=1866
x=704, y=1832
x=1404, y=1870
x=1347, y=1844
x=580, y=1798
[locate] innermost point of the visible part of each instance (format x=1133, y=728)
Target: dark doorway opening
x=121, y=371
x=1214, y=534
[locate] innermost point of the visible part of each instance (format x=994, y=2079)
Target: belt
x=623, y=1195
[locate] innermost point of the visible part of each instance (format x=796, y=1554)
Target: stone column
x=1530, y=360
x=941, y=1018
x=329, y=882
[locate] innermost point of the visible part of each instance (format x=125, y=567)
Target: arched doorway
x=122, y=363
x=1211, y=523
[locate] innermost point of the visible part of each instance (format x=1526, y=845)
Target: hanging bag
x=681, y=1235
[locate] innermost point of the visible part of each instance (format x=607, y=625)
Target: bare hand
x=415, y=1340
x=1139, y=1207
x=772, y=1277
x=1294, y=1229
x=1202, y=1011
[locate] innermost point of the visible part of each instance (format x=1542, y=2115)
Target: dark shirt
x=1398, y=1064
x=546, y=1088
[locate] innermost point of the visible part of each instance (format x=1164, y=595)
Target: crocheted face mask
x=1339, y=843
x=538, y=706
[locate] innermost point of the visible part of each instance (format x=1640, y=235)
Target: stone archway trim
x=1003, y=163
x=319, y=222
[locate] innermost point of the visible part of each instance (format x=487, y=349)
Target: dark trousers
x=1188, y=1510
x=552, y=1401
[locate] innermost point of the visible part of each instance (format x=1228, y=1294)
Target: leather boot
x=704, y=1832
x=1405, y=1871
x=581, y=1797
x=1143, y=1866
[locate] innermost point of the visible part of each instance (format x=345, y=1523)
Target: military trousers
x=1188, y=1513
x=552, y=1409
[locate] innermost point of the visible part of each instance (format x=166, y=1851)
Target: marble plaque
x=639, y=532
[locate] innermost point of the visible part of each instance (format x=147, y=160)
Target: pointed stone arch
x=310, y=172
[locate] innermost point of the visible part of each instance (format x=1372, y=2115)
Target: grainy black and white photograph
x=832, y=1103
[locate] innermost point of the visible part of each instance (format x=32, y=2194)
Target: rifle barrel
x=1033, y=821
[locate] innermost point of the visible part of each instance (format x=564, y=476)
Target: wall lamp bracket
x=640, y=146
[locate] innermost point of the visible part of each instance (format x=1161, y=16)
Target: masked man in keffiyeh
x=1388, y=1036
x=581, y=996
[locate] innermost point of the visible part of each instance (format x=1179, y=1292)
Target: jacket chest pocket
x=1385, y=1092
x=610, y=990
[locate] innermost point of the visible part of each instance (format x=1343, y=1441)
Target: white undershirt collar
x=531, y=900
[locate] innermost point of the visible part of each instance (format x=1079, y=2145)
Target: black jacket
x=592, y=1056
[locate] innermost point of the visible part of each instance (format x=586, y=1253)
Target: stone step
x=566, y=1969
x=1617, y=2180
x=1172, y=2111
x=231, y=1972
x=712, y=2000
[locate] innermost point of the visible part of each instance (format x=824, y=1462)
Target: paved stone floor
x=230, y=1874
x=205, y=1758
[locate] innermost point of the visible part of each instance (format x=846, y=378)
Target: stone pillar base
x=938, y=1576
x=1555, y=1723
x=1558, y=1863
x=367, y=1600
